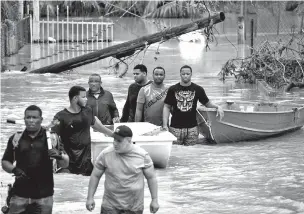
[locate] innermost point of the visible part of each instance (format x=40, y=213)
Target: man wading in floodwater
x=34, y=183
x=74, y=130
x=150, y=100
x=101, y=101
x=183, y=97
x=125, y=165
x=140, y=77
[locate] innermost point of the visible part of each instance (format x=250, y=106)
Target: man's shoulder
x=134, y=84
x=108, y=150
x=196, y=85
x=87, y=108
x=147, y=87
x=17, y=135
x=61, y=113
x=139, y=151
x=172, y=87
x=108, y=93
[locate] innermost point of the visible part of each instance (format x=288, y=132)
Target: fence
x=74, y=33
x=67, y=30
x=273, y=25
x=14, y=35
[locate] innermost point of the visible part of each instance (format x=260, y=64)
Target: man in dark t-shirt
x=140, y=77
x=182, y=98
x=28, y=157
x=74, y=130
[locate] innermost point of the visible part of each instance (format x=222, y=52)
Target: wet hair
x=159, y=67
x=185, y=66
x=95, y=75
x=33, y=108
x=75, y=90
x=141, y=67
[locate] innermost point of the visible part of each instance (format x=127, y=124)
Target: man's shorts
x=117, y=211
x=33, y=206
x=185, y=136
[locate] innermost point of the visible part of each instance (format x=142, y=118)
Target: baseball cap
x=122, y=132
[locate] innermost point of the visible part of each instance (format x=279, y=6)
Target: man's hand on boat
x=164, y=128
x=98, y=126
x=219, y=109
x=220, y=112
x=116, y=120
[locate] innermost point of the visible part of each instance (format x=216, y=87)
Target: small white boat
x=157, y=143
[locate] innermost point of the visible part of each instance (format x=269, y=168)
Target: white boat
x=157, y=143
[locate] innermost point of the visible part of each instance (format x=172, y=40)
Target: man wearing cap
x=125, y=165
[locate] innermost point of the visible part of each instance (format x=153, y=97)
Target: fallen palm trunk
x=128, y=48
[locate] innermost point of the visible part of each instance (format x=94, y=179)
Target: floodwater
x=265, y=176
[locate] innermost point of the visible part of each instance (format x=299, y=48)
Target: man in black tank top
x=140, y=77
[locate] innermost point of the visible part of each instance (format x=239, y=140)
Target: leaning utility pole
x=128, y=48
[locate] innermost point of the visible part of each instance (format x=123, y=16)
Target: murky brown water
x=264, y=176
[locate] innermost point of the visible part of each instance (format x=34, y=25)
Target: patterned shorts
x=185, y=136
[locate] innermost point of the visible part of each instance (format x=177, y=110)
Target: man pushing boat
x=74, y=130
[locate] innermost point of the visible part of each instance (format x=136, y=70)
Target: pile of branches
x=278, y=65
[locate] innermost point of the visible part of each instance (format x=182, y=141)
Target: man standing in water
x=101, y=101
x=150, y=100
x=140, y=77
x=74, y=130
x=183, y=97
x=34, y=183
x=125, y=165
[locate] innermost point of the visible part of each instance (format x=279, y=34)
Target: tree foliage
x=278, y=65
x=9, y=10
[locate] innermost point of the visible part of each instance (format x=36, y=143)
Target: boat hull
x=249, y=121
x=158, y=146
